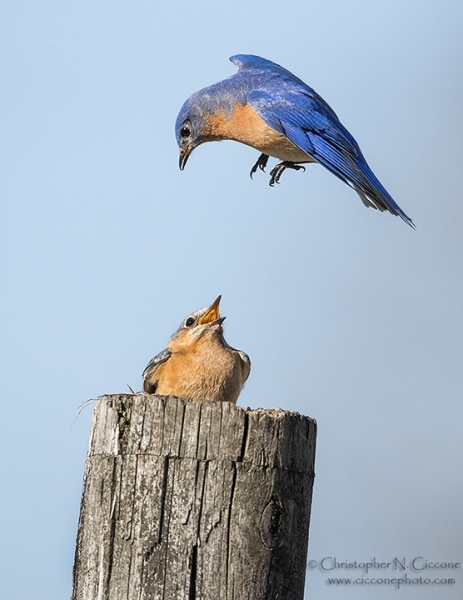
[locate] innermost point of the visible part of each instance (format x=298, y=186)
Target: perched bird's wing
x=245, y=364
x=150, y=382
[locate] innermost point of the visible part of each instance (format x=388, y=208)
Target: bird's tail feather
x=358, y=175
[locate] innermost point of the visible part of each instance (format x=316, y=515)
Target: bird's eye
x=189, y=322
x=185, y=131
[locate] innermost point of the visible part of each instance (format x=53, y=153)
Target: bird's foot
x=277, y=171
x=260, y=164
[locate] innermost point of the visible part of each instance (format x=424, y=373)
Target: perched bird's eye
x=189, y=322
x=185, y=131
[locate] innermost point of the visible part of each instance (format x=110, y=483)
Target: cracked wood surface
x=189, y=501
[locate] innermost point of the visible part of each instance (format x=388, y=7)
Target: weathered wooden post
x=188, y=501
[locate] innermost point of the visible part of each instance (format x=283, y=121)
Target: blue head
x=191, y=128
x=196, y=122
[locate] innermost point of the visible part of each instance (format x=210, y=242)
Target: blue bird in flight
x=268, y=108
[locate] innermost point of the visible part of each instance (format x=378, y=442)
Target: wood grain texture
x=189, y=501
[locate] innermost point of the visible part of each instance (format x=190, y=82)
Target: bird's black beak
x=184, y=154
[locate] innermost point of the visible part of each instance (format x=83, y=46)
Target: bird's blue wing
x=250, y=62
x=310, y=124
x=155, y=362
x=302, y=115
x=277, y=81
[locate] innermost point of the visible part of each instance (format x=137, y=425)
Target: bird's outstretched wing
x=150, y=383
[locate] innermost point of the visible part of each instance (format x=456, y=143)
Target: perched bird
x=197, y=363
x=268, y=108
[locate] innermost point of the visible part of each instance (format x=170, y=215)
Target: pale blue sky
x=348, y=315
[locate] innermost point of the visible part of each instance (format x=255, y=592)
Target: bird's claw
x=260, y=164
x=277, y=171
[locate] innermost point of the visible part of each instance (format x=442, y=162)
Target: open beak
x=212, y=315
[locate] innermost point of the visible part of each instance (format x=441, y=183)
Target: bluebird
x=268, y=108
x=197, y=363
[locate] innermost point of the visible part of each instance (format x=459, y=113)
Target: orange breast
x=207, y=371
x=247, y=127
